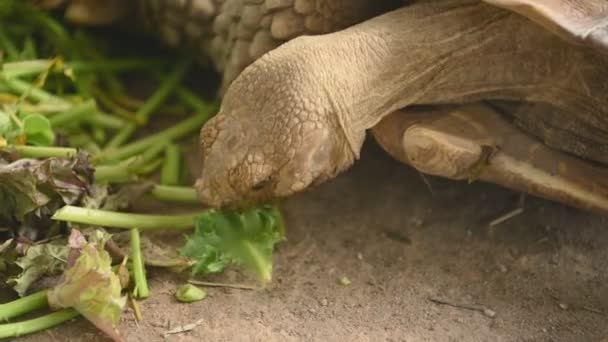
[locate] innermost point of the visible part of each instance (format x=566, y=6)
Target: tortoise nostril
x=260, y=185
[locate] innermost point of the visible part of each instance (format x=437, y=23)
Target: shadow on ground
x=543, y=273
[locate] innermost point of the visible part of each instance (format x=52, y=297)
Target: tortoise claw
x=475, y=142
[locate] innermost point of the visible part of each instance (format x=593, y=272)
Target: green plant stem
x=36, y=324
x=170, y=171
x=34, y=67
x=74, y=115
x=33, y=93
x=175, y=132
x=141, y=289
x=106, y=121
x=153, y=103
x=191, y=99
x=125, y=220
x=150, y=167
x=43, y=151
x=23, y=305
x=181, y=194
x=152, y=153
x=121, y=172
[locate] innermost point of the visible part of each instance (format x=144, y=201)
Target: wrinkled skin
x=227, y=34
x=298, y=116
x=299, y=142
x=306, y=127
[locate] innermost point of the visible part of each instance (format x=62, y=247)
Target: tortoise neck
x=456, y=51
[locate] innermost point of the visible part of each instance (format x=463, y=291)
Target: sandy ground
x=543, y=273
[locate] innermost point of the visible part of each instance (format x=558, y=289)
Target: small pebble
x=489, y=313
x=563, y=306
x=324, y=302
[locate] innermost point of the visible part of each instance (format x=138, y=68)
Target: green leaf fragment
x=344, y=281
x=189, y=293
x=5, y=123
x=38, y=130
x=245, y=239
x=90, y=286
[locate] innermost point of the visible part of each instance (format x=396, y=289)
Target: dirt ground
x=543, y=273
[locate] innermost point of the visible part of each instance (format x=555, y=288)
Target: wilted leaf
x=90, y=286
x=154, y=254
x=31, y=190
x=245, y=239
x=46, y=259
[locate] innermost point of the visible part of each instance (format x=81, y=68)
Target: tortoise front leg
x=474, y=142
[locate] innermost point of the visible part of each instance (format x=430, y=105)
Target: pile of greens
x=76, y=151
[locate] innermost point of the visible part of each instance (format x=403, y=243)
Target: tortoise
x=506, y=91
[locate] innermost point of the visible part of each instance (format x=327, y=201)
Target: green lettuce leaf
x=37, y=130
x=89, y=285
x=245, y=239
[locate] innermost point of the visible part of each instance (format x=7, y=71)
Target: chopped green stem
x=122, y=136
x=106, y=121
x=170, y=172
x=13, y=330
x=92, y=147
x=34, y=67
x=114, y=219
x=191, y=99
x=33, y=93
x=154, y=102
x=141, y=289
x=178, y=131
x=150, y=167
x=23, y=305
x=152, y=152
x=113, y=107
x=181, y=194
x=189, y=293
x=79, y=140
x=74, y=115
x=121, y=172
x=44, y=108
x=43, y=151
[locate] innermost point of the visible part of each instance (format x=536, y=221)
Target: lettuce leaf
x=89, y=285
x=31, y=190
x=244, y=239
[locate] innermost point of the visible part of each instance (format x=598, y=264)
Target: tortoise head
x=276, y=134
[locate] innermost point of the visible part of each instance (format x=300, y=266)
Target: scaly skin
x=298, y=115
x=228, y=34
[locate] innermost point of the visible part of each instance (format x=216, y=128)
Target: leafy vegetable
x=31, y=190
x=89, y=285
x=40, y=260
x=245, y=239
